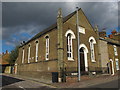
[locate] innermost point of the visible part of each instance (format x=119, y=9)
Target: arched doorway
x=82, y=61
x=83, y=58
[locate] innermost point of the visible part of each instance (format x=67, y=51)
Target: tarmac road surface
x=111, y=84
x=10, y=83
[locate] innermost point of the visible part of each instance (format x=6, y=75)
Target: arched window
x=92, y=52
x=36, y=57
x=23, y=55
x=115, y=50
x=70, y=35
x=117, y=64
x=47, y=47
x=29, y=53
x=69, y=46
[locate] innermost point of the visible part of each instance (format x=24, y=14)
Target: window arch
x=92, y=41
x=92, y=38
x=70, y=32
x=70, y=35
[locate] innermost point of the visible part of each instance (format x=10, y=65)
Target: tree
x=13, y=55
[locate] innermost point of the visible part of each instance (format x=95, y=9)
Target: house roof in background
x=3, y=59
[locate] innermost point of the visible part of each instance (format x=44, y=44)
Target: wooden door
x=82, y=61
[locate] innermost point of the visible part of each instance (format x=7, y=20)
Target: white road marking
x=22, y=87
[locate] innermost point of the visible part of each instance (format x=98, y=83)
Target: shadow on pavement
x=6, y=80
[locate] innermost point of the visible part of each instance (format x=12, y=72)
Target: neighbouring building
x=109, y=52
x=4, y=63
x=54, y=51
x=0, y=63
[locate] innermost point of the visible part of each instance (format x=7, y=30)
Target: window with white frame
x=92, y=52
x=115, y=50
x=36, y=57
x=117, y=64
x=23, y=55
x=70, y=36
x=69, y=47
x=28, y=53
x=47, y=48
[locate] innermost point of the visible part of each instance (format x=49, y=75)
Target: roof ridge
x=51, y=27
x=110, y=40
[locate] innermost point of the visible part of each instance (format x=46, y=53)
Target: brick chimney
x=6, y=51
x=114, y=32
x=110, y=36
x=102, y=34
x=2, y=53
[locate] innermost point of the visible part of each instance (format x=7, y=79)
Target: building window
x=36, y=57
x=28, y=53
x=115, y=50
x=70, y=36
x=92, y=52
x=117, y=64
x=23, y=55
x=69, y=46
x=47, y=48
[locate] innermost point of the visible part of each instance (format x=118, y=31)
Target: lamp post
x=77, y=22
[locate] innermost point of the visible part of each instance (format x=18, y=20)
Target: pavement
x=98, y=81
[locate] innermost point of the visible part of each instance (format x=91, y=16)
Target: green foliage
x=13, y=55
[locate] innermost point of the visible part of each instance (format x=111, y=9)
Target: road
x=111, y=84
x=10, y=83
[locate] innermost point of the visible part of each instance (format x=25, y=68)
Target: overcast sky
x=21, y=21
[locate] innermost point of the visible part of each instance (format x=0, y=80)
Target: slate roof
x=54, y=26
x=112, y=41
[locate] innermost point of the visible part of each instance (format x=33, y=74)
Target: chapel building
x=53, y=53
